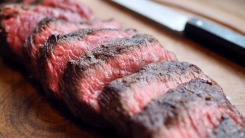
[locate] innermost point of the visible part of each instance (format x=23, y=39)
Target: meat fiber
x=86, y=77
x=60, y=49
x=227, y=128
x=109, y=77
x=19, y=21
x=70, y=5
x=74, y=6
x=52, y=26
x=123, y=98
x=194, y=109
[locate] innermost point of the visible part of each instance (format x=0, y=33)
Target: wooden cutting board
x=25, y=113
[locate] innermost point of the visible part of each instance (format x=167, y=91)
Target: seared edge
x=169, y=108
x=76, y=70
x=166, y=75
x=54, y=41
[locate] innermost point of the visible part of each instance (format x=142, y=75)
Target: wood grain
x=25, y=113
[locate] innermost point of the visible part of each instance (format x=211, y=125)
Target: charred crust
x=113, y=106
x=152, y=72
x=75, y=36
x=169, y=107
x=55, y=40
x=43, y=23
x=87, y=115
x=113, y=49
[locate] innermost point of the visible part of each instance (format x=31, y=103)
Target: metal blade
x=157, y=13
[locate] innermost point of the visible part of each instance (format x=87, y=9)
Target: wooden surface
x=25, y=113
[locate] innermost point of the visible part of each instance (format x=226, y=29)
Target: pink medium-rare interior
x=21, y=26
x=198, y=122
x=59, y=28
x=122, y=65
x=71, y=5
x=58, y=13
x=142, y=93
x=64, y=52
x=51, y=30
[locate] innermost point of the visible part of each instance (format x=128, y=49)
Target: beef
x=70, y=5
x=85, y=78
x=112, y=77
x=74, y=6
x=227, y=128
x=52, y=26
x=60, y=49
x=123, y=98
x=19, y=21
x=195, y=109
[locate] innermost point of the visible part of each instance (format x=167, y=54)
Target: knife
x=215, y=37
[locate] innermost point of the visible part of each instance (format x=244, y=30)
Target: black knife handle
x=219, y=39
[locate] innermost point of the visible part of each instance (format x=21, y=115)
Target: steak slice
x=227, y=128
x=195, y=109
x=123, y=98
x=74, y=6
x=19, y=21
x=10, y=1
x=60, y=49
x=85, y=78
x=70, y=5
x=52, y=26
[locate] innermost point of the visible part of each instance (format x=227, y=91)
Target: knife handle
x=219, y=39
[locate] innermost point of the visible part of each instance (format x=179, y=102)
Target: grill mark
x=78, y=44
x=53, y=28
x=116, y=98
x=97, y=60
x=189, y=98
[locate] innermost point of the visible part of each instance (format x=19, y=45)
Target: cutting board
x=24, y=112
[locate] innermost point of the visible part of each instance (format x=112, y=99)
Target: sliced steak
x=74, y=6
x=86, y=77
x=123, y=98
x=60, y=49
x=71, y=5
x=52, y=26
x=227, y=128
x=19, y=21
x=194, y=109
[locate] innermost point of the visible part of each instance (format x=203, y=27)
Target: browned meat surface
x=19, y=21
x=60, y=49
x=227, y=128
x=110, y=77
x=70, y=5
x=86, y=77
x=52, y=26
x=195, y=109
x=123, y=98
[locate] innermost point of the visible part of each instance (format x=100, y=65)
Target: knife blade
x=220, y=39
